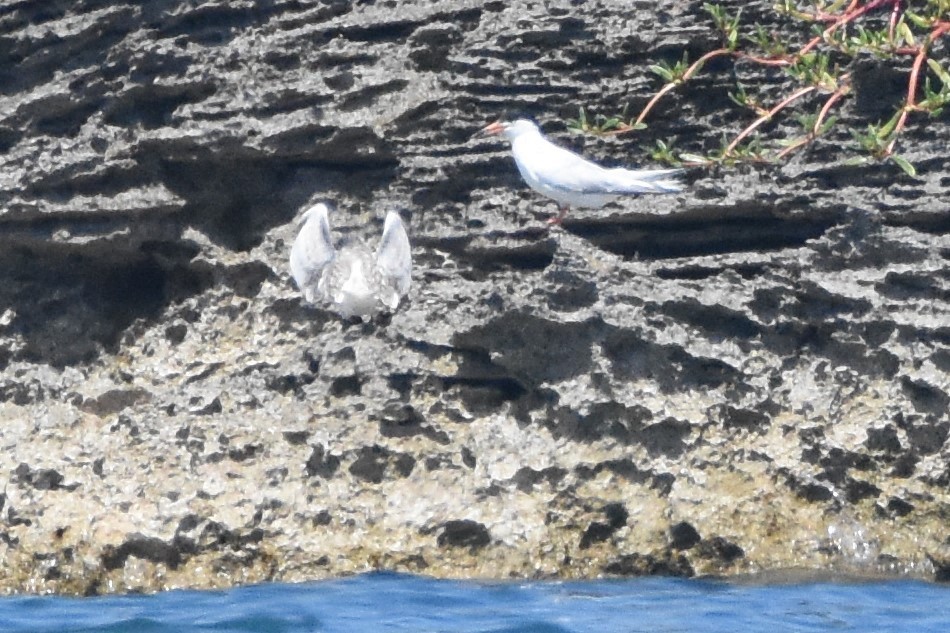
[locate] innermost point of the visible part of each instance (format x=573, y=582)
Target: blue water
x=391, y=602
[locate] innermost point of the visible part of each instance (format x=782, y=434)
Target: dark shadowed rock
x=463, y=533
x=683, y=536
x=41, y=478
x=138, y=546
x=321, y=463
x=719, y=548
x=649, y=565
x=375, y=463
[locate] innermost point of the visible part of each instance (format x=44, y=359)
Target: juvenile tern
x=569, y=179
x=353, y=279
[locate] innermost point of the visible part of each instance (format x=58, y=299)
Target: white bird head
x=510, y=129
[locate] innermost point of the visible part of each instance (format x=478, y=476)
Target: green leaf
x=918, y=20
x=693, y=158
x=662, y=71
x=788, y=142
x=888, y=128
x=929, y=92
x=807, y=121
x=785, y=6
x=828, y=124
x=904, y=164
x=713, y=10
x=869, y=141
x=904, y=32
x=938, y=70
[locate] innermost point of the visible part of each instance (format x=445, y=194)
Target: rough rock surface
x=749, y=376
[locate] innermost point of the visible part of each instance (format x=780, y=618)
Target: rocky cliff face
x=748, y=376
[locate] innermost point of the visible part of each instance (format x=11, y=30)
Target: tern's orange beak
x=491, y=128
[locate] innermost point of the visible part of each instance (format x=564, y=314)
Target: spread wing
x=394, y=261
x=312, y=251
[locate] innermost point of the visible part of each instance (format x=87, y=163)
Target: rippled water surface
x=390, y=602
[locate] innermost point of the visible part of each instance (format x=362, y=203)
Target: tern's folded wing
x=561, y=169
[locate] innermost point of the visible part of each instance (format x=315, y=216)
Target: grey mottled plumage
x=353, y=280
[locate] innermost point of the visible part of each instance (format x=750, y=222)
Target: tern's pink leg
x=562, y=210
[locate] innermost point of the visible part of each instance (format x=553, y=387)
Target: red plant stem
x=791, y=148
x=853, y=11
x=892, y=23
x=822, y=16
x=910, y=103
x=692, y=70
x=842, y=90
x=822, y=115
x=659, y=95
x=768, y=115
x=785, y=60
x=694, y=67
x=849, y=16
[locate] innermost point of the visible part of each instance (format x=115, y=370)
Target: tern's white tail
x=646, y=180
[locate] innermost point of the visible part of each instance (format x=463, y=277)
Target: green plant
x=662, y=152
x=822, y=66
x=601, y=124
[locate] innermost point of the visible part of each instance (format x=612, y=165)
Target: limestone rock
x=750, y=376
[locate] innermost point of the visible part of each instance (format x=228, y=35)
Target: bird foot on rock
x=556, y=220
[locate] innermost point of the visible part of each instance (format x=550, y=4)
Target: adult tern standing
x=571, y=180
